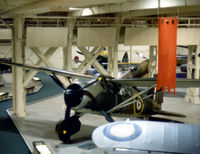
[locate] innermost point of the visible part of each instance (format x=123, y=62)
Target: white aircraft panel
x=5, y=34
x=46, y=37
x=96, y=36
x=147, y=137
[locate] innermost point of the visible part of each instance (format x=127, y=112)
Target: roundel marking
x=138, y=107
x=107, y=131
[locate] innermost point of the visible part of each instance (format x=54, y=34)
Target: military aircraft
x=124, y=64
x=107, y=96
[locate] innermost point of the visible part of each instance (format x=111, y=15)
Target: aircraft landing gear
x=68, y=127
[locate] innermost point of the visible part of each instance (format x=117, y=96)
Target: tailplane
x=167, y=113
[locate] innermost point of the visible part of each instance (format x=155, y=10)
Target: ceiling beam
x=173, y=11
x=97, y=7
x=42, y=6
x=35, y=7
x=140, y=5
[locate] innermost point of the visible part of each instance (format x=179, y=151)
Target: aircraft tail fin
x=125, y=58
x=167, y=113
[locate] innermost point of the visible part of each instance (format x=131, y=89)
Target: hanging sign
x=167, y=42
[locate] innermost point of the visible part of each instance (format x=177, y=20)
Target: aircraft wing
x=147, y=82
x=48, y=70
x=141, y=82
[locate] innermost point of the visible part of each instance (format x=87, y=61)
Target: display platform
x=40, y=121
x=42, y=116
x=33, y=86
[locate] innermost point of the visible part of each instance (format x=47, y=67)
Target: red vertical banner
x=167, y=37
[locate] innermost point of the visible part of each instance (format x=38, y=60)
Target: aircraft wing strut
x=121, y=105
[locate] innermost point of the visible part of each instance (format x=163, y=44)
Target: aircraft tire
x=68, y=127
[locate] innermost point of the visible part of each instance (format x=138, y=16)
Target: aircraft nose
x=73, y=95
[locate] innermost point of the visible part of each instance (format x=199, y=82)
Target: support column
x=192, y=94
x=110, y=64
x=131, y=54
x=67, y=51
x=115, y=60
x=152, y=68
x=19, y=98
x=115, y=49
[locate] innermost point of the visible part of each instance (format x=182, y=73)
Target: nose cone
x=73, y=95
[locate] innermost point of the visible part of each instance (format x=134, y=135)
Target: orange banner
x=167, y=35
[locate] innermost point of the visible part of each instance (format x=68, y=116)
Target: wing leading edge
x=147, y=82
x=48, y=70
x=141, y=82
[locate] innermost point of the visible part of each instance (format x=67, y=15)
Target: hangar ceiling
x=100, y=12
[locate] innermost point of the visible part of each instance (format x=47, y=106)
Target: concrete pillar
x=110, y=63
x=115, y=49
x=152, y=68
x=115, y=60
x=192, y=94
x=131, y=55
x=18, y=73
x=67, y=51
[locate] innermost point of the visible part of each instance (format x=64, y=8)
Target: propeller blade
x=91, y=83
x=53, y=76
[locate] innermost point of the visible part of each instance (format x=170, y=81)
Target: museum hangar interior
x=105, y=53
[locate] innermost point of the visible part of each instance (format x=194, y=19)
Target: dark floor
x=11, y=141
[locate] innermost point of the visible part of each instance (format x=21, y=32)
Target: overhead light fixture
x=86, y=12
x=74, y=8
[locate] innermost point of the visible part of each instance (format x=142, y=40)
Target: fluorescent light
x=74, y=8
x=86, y=12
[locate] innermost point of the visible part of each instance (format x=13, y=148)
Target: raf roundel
x=122, y=131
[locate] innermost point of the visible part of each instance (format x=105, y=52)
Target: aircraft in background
x=123, y=65
x=107, y=96
x=5, y=68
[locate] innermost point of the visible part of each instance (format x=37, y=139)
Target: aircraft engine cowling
x=73, y=95
x=140, y=70
x=77, y=98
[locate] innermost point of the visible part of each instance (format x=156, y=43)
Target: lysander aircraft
x=108, y=96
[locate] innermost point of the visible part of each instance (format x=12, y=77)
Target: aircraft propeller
x=73, y=96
